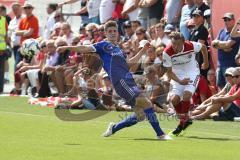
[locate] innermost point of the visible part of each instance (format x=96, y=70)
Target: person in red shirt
x=28, y=26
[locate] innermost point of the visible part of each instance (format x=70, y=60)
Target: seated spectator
x=211, y=78
x=207, y=108
x=159, y=53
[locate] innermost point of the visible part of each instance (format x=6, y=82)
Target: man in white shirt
x=12, y=28
x=106, y=9
x=183, y=70
x=51, y=8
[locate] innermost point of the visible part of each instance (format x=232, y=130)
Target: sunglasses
x=227, y=19
x=228, y=75
x=27, y=8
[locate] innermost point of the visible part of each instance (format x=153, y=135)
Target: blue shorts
x=128, y=90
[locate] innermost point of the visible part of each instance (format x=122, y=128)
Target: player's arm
x=227, y=98
x=81, y=48
x=174, y=77
x=204, y=52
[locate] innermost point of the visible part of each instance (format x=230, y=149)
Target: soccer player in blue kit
x=116, y=66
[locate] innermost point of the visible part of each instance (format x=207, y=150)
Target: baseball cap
x=228, y=15
x=230, y=71
x=169, y=28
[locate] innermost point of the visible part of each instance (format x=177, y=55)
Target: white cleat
x=109, y=131
x=164, y=137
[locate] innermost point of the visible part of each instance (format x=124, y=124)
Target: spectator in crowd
x=3, y=46
x=229, y=102
x=128, y=32
x=12, y=28
x=173, y=9
x=199, y=34
x=161, y=36
x=48, y=29
x=211, y=78
x=67, y=33
x=143, y=14
x=185, y=17
x=117, y=16
x=106, y=9
x=201, y=5
x=235, y=32
x=83, y=12
x=202, y=110
x=227, y=48
x=130, y=9
x=28, y=26
x=93, y=11
x=4, y=13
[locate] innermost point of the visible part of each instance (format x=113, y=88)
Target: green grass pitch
x=35, y=133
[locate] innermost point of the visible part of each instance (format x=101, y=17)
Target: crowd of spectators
x=72, y=74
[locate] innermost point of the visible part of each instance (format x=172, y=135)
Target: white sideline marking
x=103, y=122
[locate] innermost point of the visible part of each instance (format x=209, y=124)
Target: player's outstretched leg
x=113, y=128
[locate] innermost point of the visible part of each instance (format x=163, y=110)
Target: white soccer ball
x=30, y=47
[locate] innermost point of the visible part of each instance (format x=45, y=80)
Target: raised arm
x=235, y=32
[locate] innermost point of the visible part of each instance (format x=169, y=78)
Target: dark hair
x=110, y=24
x=53, y=6
x=3, y=8
x=136, y=21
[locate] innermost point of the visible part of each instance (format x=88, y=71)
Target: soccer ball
x=30, y=47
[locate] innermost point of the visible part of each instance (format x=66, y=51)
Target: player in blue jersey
x=116, y=66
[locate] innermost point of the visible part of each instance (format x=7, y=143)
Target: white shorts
x=178, y=89
x=33, y=76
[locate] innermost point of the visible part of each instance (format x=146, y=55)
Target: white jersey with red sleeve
x=184, y=62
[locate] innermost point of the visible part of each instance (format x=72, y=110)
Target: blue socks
x=132, y=120
x=152, y=118
x=129, y=121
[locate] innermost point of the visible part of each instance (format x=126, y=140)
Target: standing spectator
x=4, y=13
x=93, y=10
x=3, y=46
x=105, y=11
x=143, y=14
x=130, y=9
x=227, y=48
x=83, y=12
x=156, y=9
x=28, y=26
x=173, y=9
x=201, y=5
x=51, y=8
x=199, y=34
x=12, y=28
x=116, y=14
x=185, y=17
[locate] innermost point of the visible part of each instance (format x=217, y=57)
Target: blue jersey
x=114, y=61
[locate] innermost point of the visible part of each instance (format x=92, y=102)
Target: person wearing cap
x=227, y=48
x=28, y=26
x=201, y=109
x=230, y=102
x=169, y=28
x=128, y=32
x=199, y=34
x=200, y=5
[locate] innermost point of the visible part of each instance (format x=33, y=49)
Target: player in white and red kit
x=183, y=69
